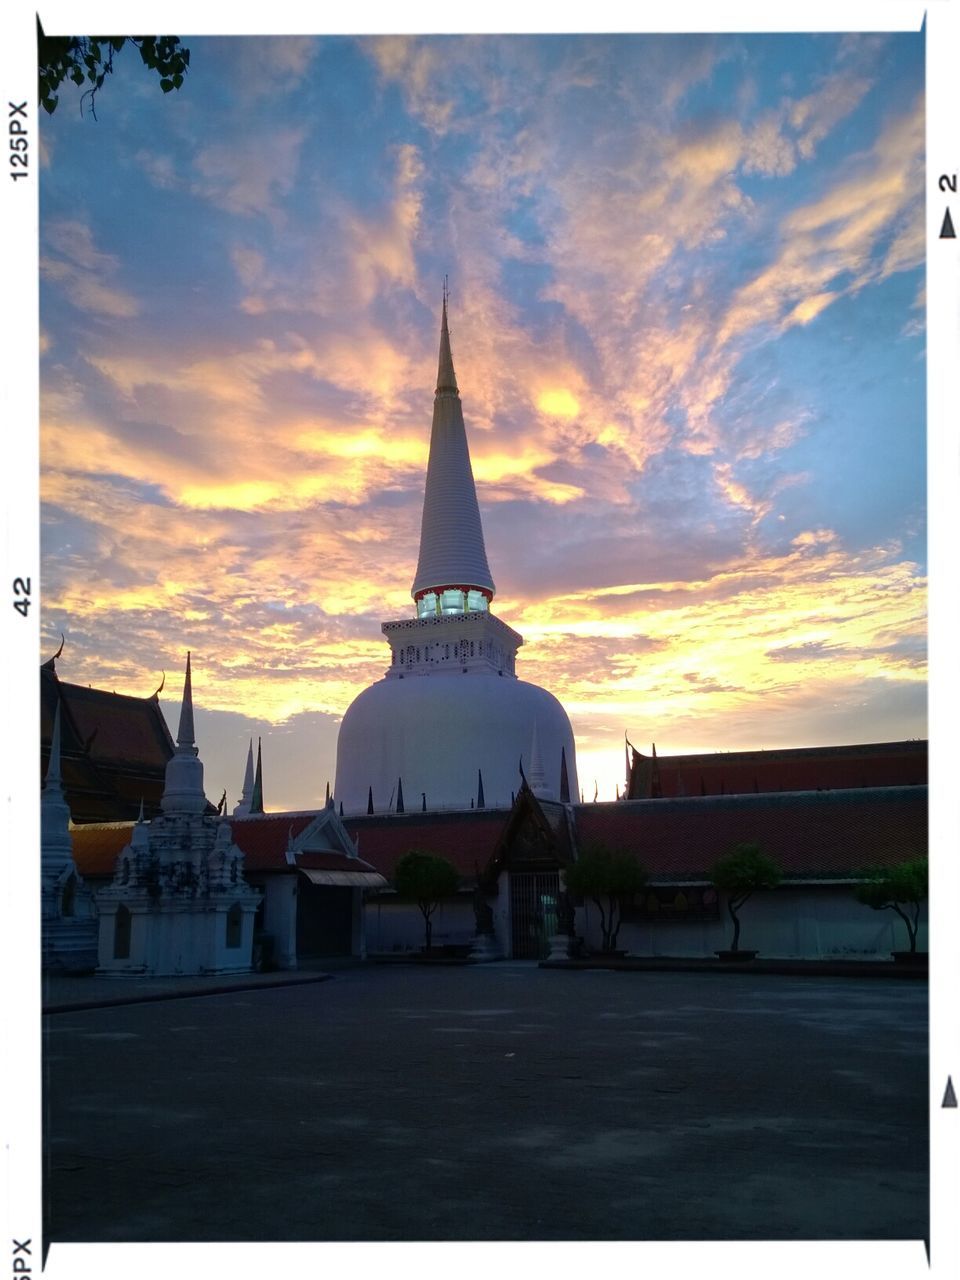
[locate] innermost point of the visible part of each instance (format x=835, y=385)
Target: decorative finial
x=50, y=664
x=159, y=688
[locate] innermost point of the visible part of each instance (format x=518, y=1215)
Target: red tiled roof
x=872, y=764
x=114, y=748
x=264, y=838
x=809, y=834
x=96, y=846
x=466, y=839
x=123, y=729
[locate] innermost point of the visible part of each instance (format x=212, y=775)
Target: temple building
x=728, y=773
x=450, y=723
x=114, y=747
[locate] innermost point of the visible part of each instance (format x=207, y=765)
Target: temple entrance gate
x=533, y=912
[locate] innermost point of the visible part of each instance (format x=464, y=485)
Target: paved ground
x=496, y=1102
x=65, y=992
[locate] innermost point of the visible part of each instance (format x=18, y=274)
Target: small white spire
x=140, y=835
x=185, y=734
x=56, y=845
x=183, y=780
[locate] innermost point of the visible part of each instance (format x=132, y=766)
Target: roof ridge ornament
x=51, y=663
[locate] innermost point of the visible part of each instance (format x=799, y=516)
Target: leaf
x=177, y=80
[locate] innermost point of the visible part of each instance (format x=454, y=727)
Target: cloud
x=161, y=170
x=235, y=176
x=423, y=71
x=73, y=240
x=766, y=150
x=271, y=66
x=382, y=248
x=807, y=651
x=865, y=227
x=82, y=272
x=815, y=116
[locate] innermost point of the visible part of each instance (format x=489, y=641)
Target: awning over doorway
x=352, y=879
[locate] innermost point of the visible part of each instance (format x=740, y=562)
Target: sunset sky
x=687, y=317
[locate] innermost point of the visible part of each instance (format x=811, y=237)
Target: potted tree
x=608, y=877
x=900, y=888
x=427, y=880
x=739, y=874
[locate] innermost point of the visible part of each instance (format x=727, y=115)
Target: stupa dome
x=437, y=733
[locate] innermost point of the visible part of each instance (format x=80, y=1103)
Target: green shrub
x=608, y=877
x=425, y=879
x=900, y=888
x=739, y=874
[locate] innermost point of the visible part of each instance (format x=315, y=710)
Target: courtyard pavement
x=500, y=1102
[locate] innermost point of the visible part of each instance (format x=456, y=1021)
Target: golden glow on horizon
x=686, y=653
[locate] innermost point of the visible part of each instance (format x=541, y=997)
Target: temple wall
x=398, y=926
x=816, y=923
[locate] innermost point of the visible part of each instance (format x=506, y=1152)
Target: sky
x=687, y=299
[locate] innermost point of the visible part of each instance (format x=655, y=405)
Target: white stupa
x=178, y=902
x=68, y=919
x=450, y=723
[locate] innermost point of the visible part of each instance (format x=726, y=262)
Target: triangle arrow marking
x=949, y=1097
x=946, y=231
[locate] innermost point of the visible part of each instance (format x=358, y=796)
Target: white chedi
x=178, y=903
x=450, y=713
x=68, y=926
